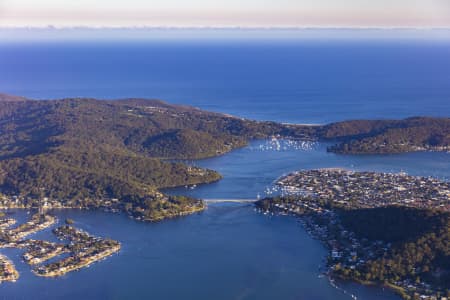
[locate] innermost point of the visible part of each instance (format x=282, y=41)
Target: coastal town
x=162, y=206
x=26, y=202
x=83, y=249
x=318, y=197
x=8, y=271
x=367, y=189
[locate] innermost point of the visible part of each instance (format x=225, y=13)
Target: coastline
x=331, y=210
x=394, y=288
x=332, y=276
x=75, y=267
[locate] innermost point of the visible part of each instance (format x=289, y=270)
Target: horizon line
x=237, y=27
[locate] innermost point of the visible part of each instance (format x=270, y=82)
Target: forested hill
x=388, y=136
x=87, y=152
x=137, y=125
x=82, y=151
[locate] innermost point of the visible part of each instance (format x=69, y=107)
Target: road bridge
x=230, y=200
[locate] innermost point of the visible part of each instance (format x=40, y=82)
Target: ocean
x=230, y=251
x=288, y=81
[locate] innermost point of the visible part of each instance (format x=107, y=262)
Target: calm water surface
x=287, y=81
x=249, y=171
x=229, y=251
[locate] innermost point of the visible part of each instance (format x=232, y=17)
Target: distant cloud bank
x=170, y=33
x=227, y=13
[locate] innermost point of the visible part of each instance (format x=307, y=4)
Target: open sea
x=286, y=81
x=230, y=251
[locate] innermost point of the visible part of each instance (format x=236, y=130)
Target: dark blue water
x=288, y=81
x=248, y=171
x=229, y=251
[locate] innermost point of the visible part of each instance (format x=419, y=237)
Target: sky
x=226, y=13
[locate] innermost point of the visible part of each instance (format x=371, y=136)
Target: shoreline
x=9, y=267
x=83, y=248
x=326, y=270
x=392, y=287
x=327, y=267
x=76, y=267
x=338, y=207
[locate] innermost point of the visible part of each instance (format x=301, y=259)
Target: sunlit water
x=287, y=81
x=249, y=171
x=229, y=251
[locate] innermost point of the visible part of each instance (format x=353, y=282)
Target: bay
x=229, y=251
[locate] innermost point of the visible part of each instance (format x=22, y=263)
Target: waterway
x=228, y=251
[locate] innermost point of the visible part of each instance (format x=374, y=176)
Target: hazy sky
x=246, y=13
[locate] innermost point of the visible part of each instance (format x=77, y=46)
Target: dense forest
x=405, y=248
x=389, y=136
x=420, y=245
x=86, y=150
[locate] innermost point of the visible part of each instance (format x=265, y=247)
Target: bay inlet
x=228, y=251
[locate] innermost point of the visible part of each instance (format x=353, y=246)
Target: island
x=380, y=228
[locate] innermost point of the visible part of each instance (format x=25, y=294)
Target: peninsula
x=118, y=155
x=380, y=228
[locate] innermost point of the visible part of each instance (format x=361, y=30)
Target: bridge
x=230, y=200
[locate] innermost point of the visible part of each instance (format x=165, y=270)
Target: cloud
x=246, y=13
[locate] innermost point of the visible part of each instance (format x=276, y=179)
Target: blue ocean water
x=289, y=81
x=229, y=251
